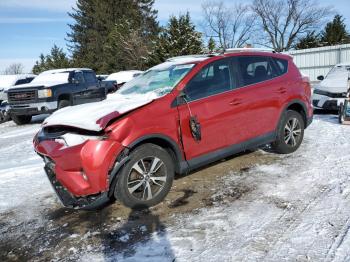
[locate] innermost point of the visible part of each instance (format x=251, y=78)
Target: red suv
x=175, y=117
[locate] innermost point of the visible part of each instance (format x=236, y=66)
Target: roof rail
x=247, y=49
x=189, y=56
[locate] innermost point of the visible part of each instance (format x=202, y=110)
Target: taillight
x=307, y=85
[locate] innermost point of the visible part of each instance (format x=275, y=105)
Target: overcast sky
x=31, y=27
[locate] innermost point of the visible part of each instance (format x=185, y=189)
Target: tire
x=286, y=143
x=21, y=120
x=63, y=103
x=341, y=113
x=136, y=187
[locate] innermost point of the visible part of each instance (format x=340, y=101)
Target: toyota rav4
x=176, y=117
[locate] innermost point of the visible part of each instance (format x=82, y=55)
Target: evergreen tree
x=311, y=40
x=178, y=38
x=94, y=22
x=211, y=45
x=55, y=60
x=335, y=32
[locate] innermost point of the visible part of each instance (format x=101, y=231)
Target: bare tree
x=14, y=69
x=231, y=26
x=284, y=21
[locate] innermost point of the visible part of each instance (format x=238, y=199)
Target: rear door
x=208, y=102
x=79, y=88
x=94, y=91
x=261, y=93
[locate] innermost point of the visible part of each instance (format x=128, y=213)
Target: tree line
x=114, y=35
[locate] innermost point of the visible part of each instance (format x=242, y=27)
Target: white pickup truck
x=7, y=81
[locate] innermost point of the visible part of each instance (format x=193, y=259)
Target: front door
x=208, y=102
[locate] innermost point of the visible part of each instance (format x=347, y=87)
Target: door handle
x=235, y=102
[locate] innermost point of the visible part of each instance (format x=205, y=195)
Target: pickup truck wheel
x=21, y=120
x=63, y=103
x=146, y=178
x=290, y=133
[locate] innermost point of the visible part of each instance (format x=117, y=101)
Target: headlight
x=44, y=93
x=69, y=140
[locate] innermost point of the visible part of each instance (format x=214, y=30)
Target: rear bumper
x=79, y=174
x=33, y=108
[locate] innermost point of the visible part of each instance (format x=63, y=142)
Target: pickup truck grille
x=21, y=96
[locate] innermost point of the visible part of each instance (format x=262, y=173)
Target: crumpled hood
x=335, y=83
x=95, y=116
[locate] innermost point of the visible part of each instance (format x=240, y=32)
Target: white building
x=318, y=61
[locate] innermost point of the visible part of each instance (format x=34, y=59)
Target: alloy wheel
x=292, y=132
x=147, y=178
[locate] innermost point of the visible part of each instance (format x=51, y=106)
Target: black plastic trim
x=231, y=150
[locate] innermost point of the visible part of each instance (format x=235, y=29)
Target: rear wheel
x=21, y=120
x=146, y=179
x=290, y=133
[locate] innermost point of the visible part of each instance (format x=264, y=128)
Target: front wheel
x=63, y=103
x=146, y=178
x=21, y=120
x=290, y=133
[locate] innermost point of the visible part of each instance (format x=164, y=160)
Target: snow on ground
x=23, y=183
x=298, y=210
x=295, y=209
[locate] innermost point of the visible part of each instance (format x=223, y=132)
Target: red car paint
x=226, y=119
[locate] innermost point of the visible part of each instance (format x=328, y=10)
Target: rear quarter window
x=282, y=65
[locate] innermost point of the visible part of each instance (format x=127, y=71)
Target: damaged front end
x=78, y=164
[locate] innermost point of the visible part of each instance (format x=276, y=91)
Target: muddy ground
x=60, y=232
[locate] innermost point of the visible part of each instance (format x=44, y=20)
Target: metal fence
x=318, y=61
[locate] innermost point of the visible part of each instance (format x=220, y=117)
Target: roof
x=55, y=71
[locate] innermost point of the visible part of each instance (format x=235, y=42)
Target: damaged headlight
x=69, y=140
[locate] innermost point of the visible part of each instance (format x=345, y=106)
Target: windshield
x=338, y=71
x=159, y=80
x=61, y=77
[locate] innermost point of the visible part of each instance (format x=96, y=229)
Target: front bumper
x=33, y=108
x=79, y=174
x=68, y=199
x=326, y=102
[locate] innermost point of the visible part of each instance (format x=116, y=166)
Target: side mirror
x=182, y=98
x=321, y=78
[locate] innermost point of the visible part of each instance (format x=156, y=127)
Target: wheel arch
x=298, y=106
x=165, y=142
x=65, y=97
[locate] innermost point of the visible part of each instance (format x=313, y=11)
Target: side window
x=255, y=69
x=213, y=79
x=282, y=65
x=79, y=77
x=90, y=77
